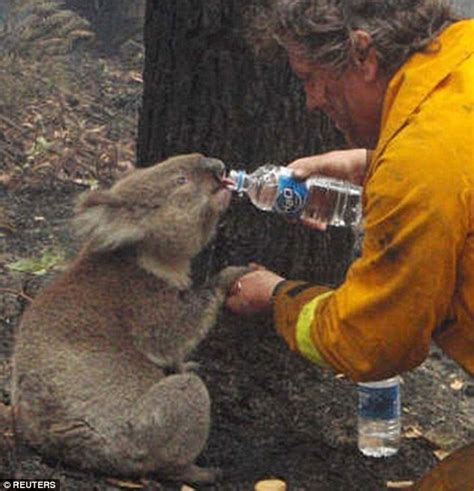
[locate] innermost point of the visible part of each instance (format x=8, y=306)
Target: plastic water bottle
x=379, y=419
x=272, y=188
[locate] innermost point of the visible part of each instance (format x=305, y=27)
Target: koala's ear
x=105, y=221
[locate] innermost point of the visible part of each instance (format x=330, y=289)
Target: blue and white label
x=291, y=197
x=379, y=403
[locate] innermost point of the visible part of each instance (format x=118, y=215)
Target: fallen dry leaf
x=136, y=76
x=441, y=454
x=270, y=485
x=413, y=432
x=442, y=438
x=398, y=484
x=124, y=484
x=457, y=384
x=5, y=179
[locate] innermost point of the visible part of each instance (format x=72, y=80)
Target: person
x=396, y=77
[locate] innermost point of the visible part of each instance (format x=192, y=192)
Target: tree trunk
x=205, y=91
x=113, y=21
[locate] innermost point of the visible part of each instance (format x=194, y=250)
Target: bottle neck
x=239, y=180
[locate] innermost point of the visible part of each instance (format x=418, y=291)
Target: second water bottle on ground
x=379, y=417
x=272, y=188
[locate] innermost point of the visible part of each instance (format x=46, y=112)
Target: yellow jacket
x=415, y=279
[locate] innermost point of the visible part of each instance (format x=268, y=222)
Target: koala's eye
x=181, y=180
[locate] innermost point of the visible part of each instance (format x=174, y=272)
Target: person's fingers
x=236, y=288
x=252, y=292
x=234, y=304
x=239, y=304
x=303, y=168
x=314, y=224
x=302, y=173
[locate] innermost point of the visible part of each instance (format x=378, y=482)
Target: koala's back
x=75, y=347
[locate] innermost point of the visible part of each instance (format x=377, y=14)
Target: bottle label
x=379, y=403
x=291, y=197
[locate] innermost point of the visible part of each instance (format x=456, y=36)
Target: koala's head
x=170, y=209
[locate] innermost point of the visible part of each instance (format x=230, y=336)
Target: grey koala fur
x=90, y=386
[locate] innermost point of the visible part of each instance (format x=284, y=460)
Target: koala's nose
x=216, y=166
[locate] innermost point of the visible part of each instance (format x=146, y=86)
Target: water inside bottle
x=333, y=203
x=264, y=191
x=379, y=438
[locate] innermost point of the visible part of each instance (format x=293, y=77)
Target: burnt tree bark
x=205, y=91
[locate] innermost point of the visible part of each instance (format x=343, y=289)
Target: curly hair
x=323, y=29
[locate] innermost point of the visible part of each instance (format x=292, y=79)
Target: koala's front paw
x=190, y=366
x=226, y=278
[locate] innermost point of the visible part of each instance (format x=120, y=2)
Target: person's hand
x=252, y=293
x=349, y=165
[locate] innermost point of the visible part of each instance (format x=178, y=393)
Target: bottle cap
x=236, y=178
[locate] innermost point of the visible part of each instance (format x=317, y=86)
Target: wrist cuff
x=289, y=298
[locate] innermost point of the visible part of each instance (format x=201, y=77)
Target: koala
x=100, y=380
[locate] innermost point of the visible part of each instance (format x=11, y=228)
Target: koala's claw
x=190, y=366
x=226, y=278
x=180, y=367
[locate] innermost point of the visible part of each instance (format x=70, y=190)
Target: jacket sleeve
x=295, y=303
x=379, y=322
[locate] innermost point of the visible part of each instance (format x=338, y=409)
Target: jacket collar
x=420, y=75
